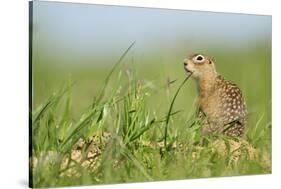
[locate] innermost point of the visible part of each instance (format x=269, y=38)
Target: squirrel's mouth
x=187, y=70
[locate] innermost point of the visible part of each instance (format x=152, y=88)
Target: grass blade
x=134, y=160
x=112, y=70
x=171, y=108
x=51, y=101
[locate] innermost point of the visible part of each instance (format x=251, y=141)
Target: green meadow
x=132, y=118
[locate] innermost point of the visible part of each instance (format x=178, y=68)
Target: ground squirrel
x=221, y=107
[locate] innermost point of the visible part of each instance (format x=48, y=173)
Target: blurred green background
x=81, y=43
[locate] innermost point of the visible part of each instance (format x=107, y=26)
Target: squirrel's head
x=199, y=65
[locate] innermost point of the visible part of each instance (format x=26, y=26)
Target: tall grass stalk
x=171, y=108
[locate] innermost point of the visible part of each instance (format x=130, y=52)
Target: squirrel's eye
x=199, y=58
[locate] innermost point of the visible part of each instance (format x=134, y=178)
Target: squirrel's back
x=224, y=110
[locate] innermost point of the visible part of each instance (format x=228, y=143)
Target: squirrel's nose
x=184, y=63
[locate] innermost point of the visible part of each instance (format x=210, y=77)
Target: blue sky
x=97, y=29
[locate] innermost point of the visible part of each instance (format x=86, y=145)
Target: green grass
x=143, y=129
